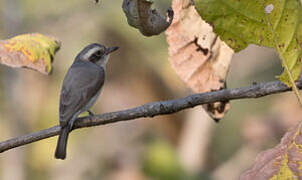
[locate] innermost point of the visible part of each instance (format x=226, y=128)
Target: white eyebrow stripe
x=90, y=52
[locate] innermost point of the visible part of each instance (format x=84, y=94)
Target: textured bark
x=155, y=109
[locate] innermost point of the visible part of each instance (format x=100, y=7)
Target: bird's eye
x=98, y=53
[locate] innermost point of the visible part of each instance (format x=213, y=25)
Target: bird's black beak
x=111, y=49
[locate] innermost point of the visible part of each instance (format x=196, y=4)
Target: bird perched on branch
x=81, y=87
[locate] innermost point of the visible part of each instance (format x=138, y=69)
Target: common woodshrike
x=81, y=87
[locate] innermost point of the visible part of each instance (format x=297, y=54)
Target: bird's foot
x=90, y=114
x=70, y=125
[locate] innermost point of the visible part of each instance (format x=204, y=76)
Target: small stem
x=291, y=79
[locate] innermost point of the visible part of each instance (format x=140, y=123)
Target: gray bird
x=81, y=87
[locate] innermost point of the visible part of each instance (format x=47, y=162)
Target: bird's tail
x=62, y=143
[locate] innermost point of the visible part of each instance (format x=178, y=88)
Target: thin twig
x=155, y=109
x=283, y=60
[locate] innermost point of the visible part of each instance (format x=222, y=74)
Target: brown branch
x=155, y=109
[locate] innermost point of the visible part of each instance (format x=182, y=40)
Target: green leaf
x=160, y=161
x=270, y=23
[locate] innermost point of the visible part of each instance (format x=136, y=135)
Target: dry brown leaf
x=282, y=162
x=140, y=15
x=197, y=55
x=34, y=51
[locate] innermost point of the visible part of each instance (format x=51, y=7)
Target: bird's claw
x=90, y=114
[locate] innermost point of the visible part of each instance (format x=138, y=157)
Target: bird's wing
x=81, y=83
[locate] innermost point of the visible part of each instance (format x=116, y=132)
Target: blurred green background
x=185, y=145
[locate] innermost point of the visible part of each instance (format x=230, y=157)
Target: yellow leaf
x=34, y=51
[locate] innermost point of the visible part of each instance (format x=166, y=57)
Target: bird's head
x=96, y=53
